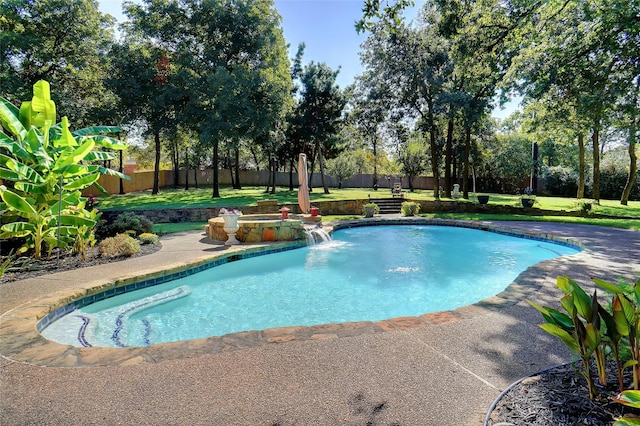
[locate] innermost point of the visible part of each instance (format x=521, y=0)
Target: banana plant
x=44, y=167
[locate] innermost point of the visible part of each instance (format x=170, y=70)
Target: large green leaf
x=611, y=288
x=110, y=143
x=630, y=398
x=14, y=147
x=97, y=130
x=42, y=108
x=10, y=119
x=17, y=229
x=566, y=338
x=592, y=337
x=71, y=157
x=101, y=156
x=65, y=139
x=16, y=202
x=25, y=172
x=108, y=172
x=622, y=325
x=81, y=183
x=75, y=220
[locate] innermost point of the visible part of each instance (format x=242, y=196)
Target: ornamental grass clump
x=148, y=238
x=410, y=208
x=122, y=245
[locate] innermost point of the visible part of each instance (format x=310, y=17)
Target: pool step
x=388, y=205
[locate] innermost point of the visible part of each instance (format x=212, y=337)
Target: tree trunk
x=275, y=169
x=216, y=178
x=121, y=170
x=186, y=169
x=176, y=166
x=633, y=165
x=465, y=167
x=596, y=162
x=324, y=182
x=375, y=162
x=434, y=162
x=581, y=166
x=237, y=168
x=448, y=155
x=270, y=174
x=156, y=166
x=291, y=174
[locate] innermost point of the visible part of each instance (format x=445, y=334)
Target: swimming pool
x=368, y=273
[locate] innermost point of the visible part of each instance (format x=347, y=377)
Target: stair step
x=388, y=205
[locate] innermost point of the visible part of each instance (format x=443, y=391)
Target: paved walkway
x=435, y=373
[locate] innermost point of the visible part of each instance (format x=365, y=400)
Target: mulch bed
x=27, y=267
x=559, y=397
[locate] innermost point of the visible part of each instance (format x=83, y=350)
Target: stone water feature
x=265, y=227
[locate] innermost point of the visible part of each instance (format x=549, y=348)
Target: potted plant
x=482, y=199
x=528, y=199
x=230, y=217
x=371, y=209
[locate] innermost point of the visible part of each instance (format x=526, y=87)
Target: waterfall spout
x=316, y=235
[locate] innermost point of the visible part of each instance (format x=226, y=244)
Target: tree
x=62, y=41
x=342, y=167
x=413, y=159
x=143, y=79
x=415, y=67
x=584, y=52
x=320, y=111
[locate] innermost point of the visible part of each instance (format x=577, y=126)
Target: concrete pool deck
x=446, y=369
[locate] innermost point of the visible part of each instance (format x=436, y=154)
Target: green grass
x=249, y=196
x=171, y=228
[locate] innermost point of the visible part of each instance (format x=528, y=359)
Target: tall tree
x=320, y=111
x=62, y=41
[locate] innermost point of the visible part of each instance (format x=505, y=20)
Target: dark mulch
x=559, y=397
x=26, y=267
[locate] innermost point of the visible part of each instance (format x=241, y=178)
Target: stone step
x=388, y=205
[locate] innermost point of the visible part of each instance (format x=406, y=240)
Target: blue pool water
x=366, y=273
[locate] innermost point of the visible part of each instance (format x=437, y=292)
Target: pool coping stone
x=21, y=341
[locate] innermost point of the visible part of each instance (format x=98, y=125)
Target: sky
x=327, y=29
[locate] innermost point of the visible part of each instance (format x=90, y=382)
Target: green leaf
x=592, y=337
x=100, y=156
x=629, y=398
x=72, y=157
x=566, y=338
x=42, y=107
x=17, y=229
x=622, y=325
x=611, y=288
x=65, y=139
x=16, y=202
x=96, y=130
x=10, y=119
x=14, y=147
x=82, y=182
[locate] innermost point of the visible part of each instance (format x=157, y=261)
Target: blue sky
x=325, y=26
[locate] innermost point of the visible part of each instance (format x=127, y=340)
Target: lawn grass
x=249, y=196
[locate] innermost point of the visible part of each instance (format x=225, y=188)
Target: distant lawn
x=249, y=196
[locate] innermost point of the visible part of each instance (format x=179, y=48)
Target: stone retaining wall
x=342, y=207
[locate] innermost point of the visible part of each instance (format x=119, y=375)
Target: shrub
x=561, y=181
x=118, y=246
x=128, y=222
x=148, y=238
x=612, y=184
x=409, y=208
